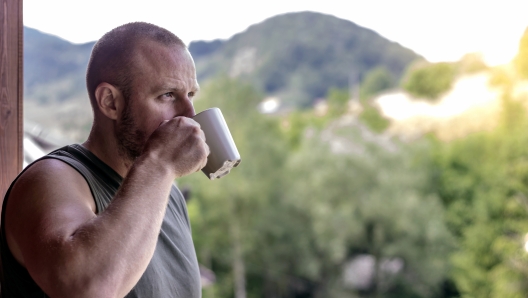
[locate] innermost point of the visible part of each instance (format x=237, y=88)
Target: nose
x=187, y=110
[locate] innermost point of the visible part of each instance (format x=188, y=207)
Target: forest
x=325, y=205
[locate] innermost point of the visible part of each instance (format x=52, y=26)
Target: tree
x=287, y=221
x=337, y=100
x=373, y=118
x=482, y=181
x=429, y=81
x=376, y=80
x=366, y=198
x=227, y=213
x=521, y=60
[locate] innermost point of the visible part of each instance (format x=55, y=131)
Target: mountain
x=54, y=68
x=55, y=95
x=299, y=56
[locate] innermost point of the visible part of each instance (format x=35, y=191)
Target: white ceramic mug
x=224, y=154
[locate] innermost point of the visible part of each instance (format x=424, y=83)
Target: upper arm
x=47, y=204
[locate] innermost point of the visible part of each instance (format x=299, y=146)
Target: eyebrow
x=173, y=87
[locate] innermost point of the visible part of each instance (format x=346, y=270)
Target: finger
x=207, y=149
x=182, y=121
x=163, y=122
x=202, y=135
x=202, y=165
x=204, y=161
x=188, y=121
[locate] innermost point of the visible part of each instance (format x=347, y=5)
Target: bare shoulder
x=49, y=201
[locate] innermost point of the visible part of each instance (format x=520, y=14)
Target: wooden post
x=11, y=88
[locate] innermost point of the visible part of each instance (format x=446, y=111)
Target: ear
x=109, y=100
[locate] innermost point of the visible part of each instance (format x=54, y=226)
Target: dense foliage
x=311, y=195
x=483, y=183
x=429, y=81
x=317, y=194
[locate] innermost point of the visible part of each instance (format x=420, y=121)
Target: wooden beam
x=11, y=92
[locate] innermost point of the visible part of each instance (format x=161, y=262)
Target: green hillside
x=54, y=85
x=296, y=56
x=300, y=56
x=54, y=68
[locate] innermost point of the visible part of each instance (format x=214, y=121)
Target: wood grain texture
x=11, y=92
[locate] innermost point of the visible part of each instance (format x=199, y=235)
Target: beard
x=130, y=138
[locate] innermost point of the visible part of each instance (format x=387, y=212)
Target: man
x=103, y=219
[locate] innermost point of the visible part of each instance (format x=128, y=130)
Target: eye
x=190, y=94
x=168, y=95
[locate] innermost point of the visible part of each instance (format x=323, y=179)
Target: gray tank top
x=173, y=270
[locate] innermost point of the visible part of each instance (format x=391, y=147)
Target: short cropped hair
x=112, y=56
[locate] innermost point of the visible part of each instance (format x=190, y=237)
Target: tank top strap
x=102, y=180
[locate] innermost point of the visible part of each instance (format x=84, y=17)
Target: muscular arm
x=69, y=250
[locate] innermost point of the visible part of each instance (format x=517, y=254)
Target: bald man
x=103, y=218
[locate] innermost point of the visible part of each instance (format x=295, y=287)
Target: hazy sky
x=439, y=30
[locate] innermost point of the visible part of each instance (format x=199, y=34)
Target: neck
x=105, y=147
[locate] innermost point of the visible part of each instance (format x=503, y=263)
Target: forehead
x=153, y=52
x=153, y=60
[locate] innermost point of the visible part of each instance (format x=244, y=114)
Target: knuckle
x=195, y=123
x=196, y=130
x=178, y=120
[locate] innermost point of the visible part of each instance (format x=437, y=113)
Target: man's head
x=139, y=75
x=112, y=58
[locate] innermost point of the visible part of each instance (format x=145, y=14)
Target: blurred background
x=384, y=144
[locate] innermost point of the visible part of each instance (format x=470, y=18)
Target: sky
x=442, y=30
